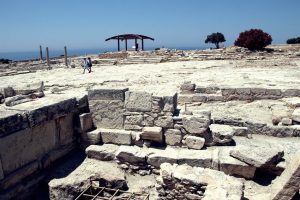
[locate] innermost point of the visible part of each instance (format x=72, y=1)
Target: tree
x=253, y=39
x=215, y=38
x=293, y=41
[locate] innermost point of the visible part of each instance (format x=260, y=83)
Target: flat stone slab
x=104, y=152
x=258, y=156
x=152, y=134
x=101, y=93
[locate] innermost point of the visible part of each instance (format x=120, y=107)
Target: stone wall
x=193, y=93
x=32, y=137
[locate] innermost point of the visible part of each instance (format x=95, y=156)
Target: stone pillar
x=66, y=56
x=41, y=53
x=47, y=56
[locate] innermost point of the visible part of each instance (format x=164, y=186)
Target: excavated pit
x=171, y=130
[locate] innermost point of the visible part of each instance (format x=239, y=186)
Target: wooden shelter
x=126, y=37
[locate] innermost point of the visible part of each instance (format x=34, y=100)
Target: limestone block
x=193, y=142
x=152, y=134
x=199, y=98
x=196, y=124
x=258, y=156
x=65, y=127
x=107, y=113
x=296, y=115
x=233, y=166
x=287, y=184
x=138, y=101
x=240, y=131
x=228, y=91
x=159, y=157
x=29, y=88
x=197, y=158
x=164, y=121
x=61, y=108
x=243, y=91
x=92, y=137
x=222, y=134
x=115, y=136
x=28, y=145
x=134, y=119
x=104, y=152
x=107, y=94
x=291, y=93
x=131, y=154
x=292, y=101
x=18, y=175
x=173, y=137
x=86, y=122
x=186, y=98
x=132, y=127
x=187, y=87
x=258, y=91
x=273, y=92
x=215, y=97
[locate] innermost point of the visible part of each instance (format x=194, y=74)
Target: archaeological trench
x=114, y=141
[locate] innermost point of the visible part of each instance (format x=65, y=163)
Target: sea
x=31, y=55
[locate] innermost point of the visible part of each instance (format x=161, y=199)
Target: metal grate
x=93, y=192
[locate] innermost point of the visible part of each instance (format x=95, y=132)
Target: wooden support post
x=66, y=56
x=41, y=53
x=47, y=56
x=135, y=43
x=118, y=44
x=126, y=44
x=142, y=44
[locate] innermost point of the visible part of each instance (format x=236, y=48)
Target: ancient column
x=66, y=56
x=142, y=44
x=47, y=56
x=118, y=44
x=41, y=53
x=126, y=44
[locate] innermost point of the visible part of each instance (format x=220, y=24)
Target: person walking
x=85, y=65
x=89, y=64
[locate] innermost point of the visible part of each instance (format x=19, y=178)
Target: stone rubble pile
x=20, y=94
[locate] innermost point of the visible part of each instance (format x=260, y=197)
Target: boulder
x=196, y=124
x=222, y=134
x=194, y=142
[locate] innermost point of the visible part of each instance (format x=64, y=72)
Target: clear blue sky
x=25, y=24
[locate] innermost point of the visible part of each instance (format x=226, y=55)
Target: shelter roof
x=129, y=37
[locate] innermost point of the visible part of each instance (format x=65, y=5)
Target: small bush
x=4, y=61
x=254, y=39
x=293, y=41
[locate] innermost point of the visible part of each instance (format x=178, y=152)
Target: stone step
x=209, y=158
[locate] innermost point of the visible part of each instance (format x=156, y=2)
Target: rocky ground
x=164, y=72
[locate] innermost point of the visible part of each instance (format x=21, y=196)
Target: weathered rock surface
x=104, y=152
x=222, y=134
x=287, y=185
x=138, y=101
x=173, y=137
x=196, y=124
x=69, y=186
x=194, y=142
x=257, y=156
x=116, y=136
x=296, y=115
x=134, y=155
x=152, y=134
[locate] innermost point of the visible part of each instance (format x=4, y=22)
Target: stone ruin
x=163, y=146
